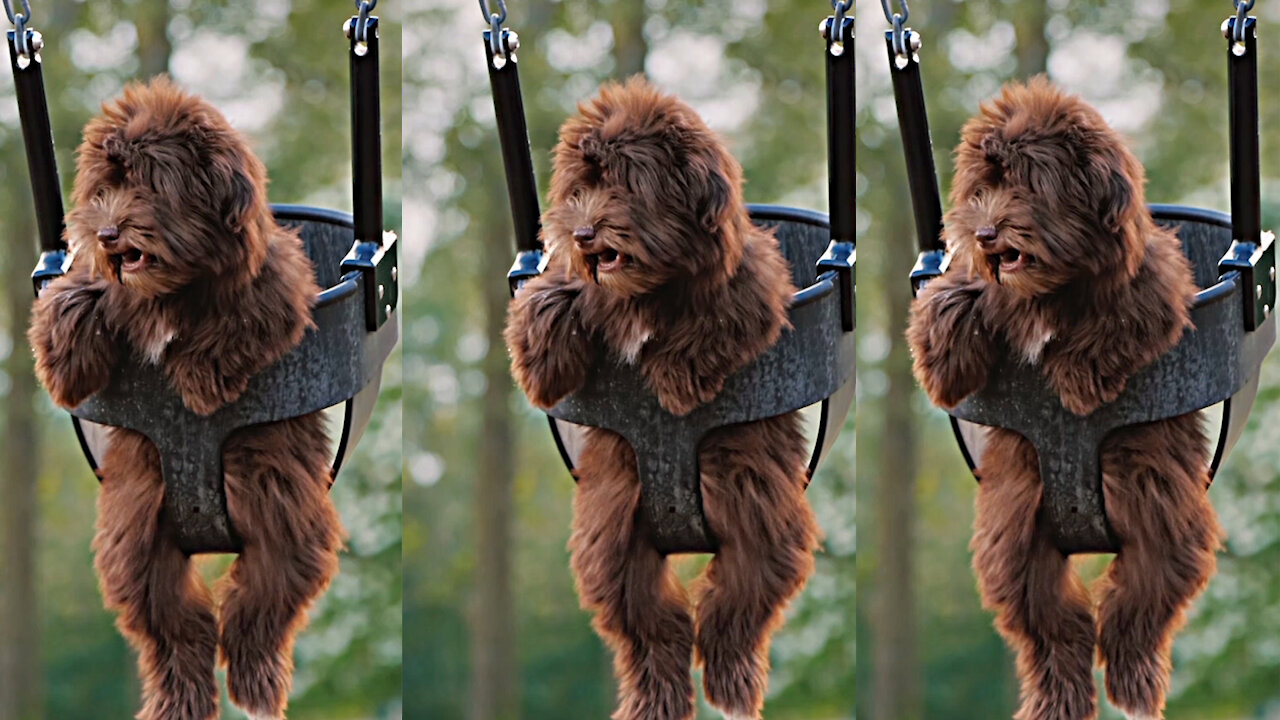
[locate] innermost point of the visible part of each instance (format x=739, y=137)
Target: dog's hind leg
x=1155, y=497
x=163, y=608
x=640, y=609
x=278, y=497
x=1042, y=607
x=753, y=482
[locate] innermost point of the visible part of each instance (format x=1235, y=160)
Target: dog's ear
x=713, y=197
x=240, y=202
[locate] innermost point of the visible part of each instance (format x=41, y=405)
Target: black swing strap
x=369, y=255
x=903, y=45
x=500, y=46
x=1240, y=31
x=25, y=45
x=366, y=128
x=838, y=33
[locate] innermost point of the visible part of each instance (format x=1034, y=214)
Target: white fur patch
x=634, y=342
x=158, y=343
x=1035, y=346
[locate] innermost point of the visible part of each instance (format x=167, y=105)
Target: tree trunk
x=1033, y=45
x=154, y=46
x=20, y=669
x=630, y=48
x=893, y=617
x=494, y=685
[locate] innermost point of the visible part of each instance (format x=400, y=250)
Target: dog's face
x=1045, y=194
x=166, y=194
x=643, y=194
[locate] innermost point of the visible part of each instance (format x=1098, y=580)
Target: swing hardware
x=1236, y=31
x=502, y=43
x=359, y=26
x=338, y=362
x=836, y=24
x=902, y=45
x=1217, y=361
x=28, y=43
x=810, y=365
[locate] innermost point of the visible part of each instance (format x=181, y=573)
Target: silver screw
x=388, y=309
x=1273, y=273
x=382, y=291
x=395, y=273
x=1259, y=292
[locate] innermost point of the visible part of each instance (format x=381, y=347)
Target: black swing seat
x=1216, y=362
x=338, y=362
x=811, y=363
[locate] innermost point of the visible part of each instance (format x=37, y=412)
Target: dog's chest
x=630, y=338
x=153, y=338
x=1034, y=335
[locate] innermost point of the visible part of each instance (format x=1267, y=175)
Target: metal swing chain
x=495, y=20
x=27, y=44
x=839, y=9
x=1242, y=13
x=899, y=23
x=361, y=29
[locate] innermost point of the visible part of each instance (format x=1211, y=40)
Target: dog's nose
x=108, y=235
x=584, y=235
x=987, y=235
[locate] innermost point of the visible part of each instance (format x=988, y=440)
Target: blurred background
x=278, y=70
x=1157, y=72
x=491, y=619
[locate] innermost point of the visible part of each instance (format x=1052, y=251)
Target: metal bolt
x=382, y=291
x=822, y=28
x=1266, y=311
x=916, y=42
x=395, y=273
x=388, y=309
x=37, y=41
x=348, y=24
x=1226, y=27
x=1273, y=273
x=513, y=41
x=1259, y=292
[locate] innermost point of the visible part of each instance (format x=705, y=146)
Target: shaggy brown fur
x=178, y=260
x=1057, y=260
x=652, y=253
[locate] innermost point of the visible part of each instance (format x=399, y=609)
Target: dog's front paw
x=1080, y=385
x=680, y=391
x=203, y=390
x=550, y=348
x=950, y=347
x=73, y=345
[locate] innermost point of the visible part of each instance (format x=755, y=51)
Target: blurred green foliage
x=755, y=70
x=1158, y=72
x=278, y=70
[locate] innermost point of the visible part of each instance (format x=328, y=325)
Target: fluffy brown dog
x=654, y=259
x=178, y=261
x=1056, y=259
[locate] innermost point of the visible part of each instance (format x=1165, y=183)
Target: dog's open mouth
x=130, y=260
x=1008, y=261
x=606, y=261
